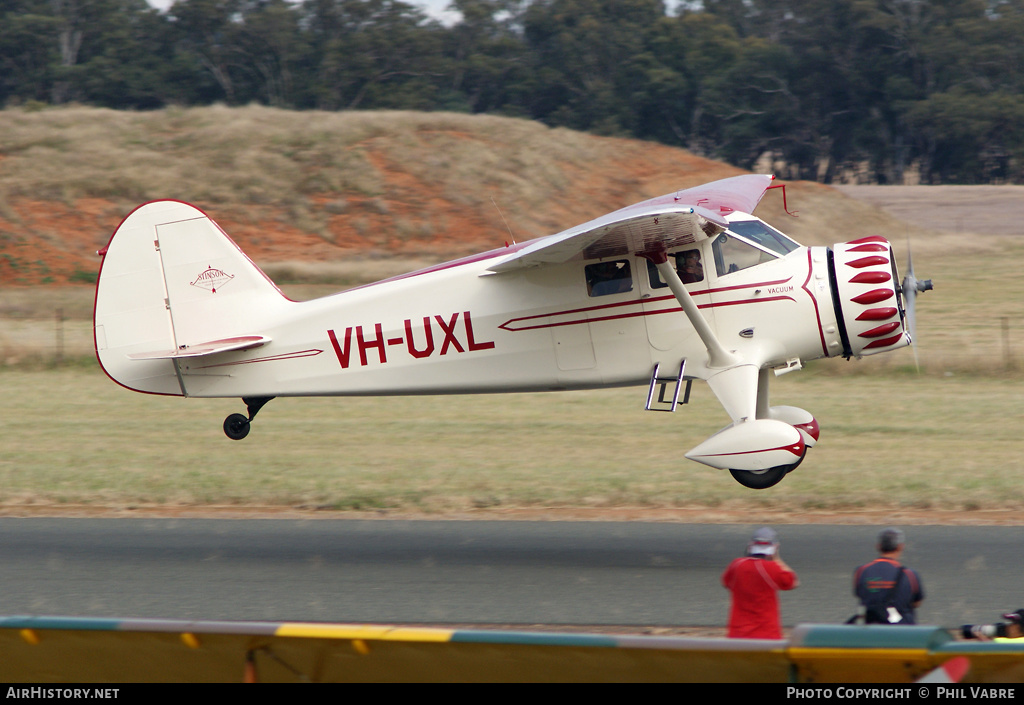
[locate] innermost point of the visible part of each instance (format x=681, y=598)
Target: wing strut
x=718, y=356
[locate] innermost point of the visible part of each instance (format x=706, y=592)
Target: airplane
x=682, y=287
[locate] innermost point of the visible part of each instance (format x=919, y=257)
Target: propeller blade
x=911, y=286
x=909, y=296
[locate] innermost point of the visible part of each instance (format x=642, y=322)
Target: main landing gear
x=763, y=479
x=236, y=426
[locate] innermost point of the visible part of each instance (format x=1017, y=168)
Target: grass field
x=898, y=440
x=947, y=438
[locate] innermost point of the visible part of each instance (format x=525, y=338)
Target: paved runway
x=522, y=573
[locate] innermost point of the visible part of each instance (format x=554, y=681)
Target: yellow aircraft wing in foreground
x=55, y=649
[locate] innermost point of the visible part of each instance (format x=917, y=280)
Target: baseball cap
x=1017, y=616
x=763, y=542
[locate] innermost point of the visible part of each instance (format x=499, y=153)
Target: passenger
x=608, y=278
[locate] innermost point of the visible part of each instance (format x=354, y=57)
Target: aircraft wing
x=676, y=219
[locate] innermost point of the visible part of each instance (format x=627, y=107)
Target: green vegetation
x=848, y=88
x=945, y=439
x=888, y=441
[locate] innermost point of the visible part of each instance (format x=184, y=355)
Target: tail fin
x=172, y=281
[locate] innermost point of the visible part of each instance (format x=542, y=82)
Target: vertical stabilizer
x=172, y=279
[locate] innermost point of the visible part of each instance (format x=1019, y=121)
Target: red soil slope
x=46, y=242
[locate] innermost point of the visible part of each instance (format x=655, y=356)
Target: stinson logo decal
x=212, y=279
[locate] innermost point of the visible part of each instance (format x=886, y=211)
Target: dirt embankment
x=427, y=186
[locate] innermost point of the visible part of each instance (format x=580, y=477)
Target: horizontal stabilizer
x=213, y=347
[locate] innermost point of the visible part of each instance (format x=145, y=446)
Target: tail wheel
x=236, y=426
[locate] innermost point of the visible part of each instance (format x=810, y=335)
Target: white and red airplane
x=685, y=286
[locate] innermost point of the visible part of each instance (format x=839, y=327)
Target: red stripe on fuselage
x=646, y=302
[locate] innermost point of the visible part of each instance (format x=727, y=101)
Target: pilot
x=609, y=278
x=691, y=270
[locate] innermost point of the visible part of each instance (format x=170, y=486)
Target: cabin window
x=732, y=255
x=688, y=265
x=763, y=235
x=612, y=277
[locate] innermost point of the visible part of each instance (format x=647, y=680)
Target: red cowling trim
x=873, y=296
x=880, y=330
x=869, y=238
x=871, y=261
x=886, y=342
x=871, y=278
x=877, y=314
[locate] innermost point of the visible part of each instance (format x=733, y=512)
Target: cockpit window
x=612, y=277
x=764, y=235
x=688, y=266
x=732, y=255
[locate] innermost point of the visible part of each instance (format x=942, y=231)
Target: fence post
x=59, y=354
x=1008, y=362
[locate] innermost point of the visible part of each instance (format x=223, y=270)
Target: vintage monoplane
x=685, y=286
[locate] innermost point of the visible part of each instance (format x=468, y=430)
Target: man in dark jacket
x=888, y=591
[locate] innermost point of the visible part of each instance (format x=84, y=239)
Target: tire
x=791, y=468
x=236, y=426
x=762, y=479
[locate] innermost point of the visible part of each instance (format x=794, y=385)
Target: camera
x=1000, y=630
x=984, y=631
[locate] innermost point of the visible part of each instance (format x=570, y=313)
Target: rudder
x=172, y=279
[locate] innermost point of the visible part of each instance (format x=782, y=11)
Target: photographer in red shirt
x=755, y=581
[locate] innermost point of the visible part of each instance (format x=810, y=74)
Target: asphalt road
x=456, y=572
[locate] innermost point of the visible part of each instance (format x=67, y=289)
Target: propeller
x=910, y=287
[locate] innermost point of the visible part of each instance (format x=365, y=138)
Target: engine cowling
x=867, y=297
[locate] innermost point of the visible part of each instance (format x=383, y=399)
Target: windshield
x=764, y=235
x=733, y=254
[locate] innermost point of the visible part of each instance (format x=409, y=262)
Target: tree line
x=892, y=90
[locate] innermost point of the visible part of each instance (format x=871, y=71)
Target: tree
x=27, y=52
x=209, y=32
x=487, y=56
x=580, y=51
x=372, y=53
